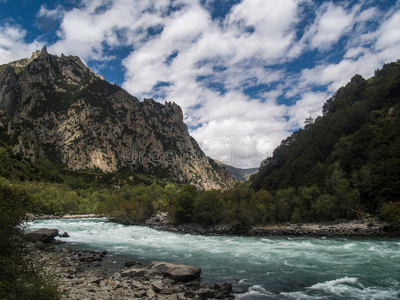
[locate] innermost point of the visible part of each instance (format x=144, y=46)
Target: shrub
x=207, y=208
x=18, y=279
x=391, y=212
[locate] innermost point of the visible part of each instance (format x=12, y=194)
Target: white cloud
x=389, y=33
x=331, y=23
x=12, y=45
x=206, y=65
x=56, y=13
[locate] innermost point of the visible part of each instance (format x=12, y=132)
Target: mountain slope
x=83, y=122
x=238, y=173
x=352, y=152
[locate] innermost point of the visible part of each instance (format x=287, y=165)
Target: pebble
x=80, y=280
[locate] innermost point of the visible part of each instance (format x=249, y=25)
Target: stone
x=65, y=263
x=126, y=273
x=64, y=235
x=140, y=294
x=137, y=285
x=157, y=286
x=117, y=276
x=95, y=280
x=42, y=235
x=66, y=249
x=190, y=294
x=206, y=293
x=130, y=263
x=135, y=272
x=58, y=242
x=150, y=293
x=178, y=272
x=40, y=245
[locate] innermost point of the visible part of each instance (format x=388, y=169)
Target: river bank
x=33, y=217
x=86, y=274
x=363, y=228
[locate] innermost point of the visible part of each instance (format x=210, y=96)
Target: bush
x=391, y=212
x=207, y=208
x=183, y=205
x=240, y=206
x=18, y=279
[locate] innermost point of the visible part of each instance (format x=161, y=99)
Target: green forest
x=346, y=163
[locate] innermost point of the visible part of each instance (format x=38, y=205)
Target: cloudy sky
x=246, y=72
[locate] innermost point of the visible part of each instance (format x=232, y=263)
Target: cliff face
x=87, y=123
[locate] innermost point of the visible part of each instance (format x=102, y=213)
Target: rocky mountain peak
x=89, y=123
x=40, y=53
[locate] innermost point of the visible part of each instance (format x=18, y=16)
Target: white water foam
x=343, y=288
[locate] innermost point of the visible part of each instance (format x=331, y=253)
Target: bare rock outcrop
x=58, y=105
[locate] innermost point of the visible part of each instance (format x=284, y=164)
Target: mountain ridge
x=88, y=123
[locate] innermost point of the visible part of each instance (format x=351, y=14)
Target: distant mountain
x=238, y=173
x=346, y=161
x=56, y=106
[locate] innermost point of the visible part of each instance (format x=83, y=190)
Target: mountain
x=238, y=173
x=348, y=160
x=56, y=106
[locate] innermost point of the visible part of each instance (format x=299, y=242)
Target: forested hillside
x=345, y=163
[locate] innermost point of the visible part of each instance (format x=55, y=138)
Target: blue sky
x=246, y=72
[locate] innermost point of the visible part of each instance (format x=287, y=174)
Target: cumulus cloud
x=12, y=43
x=331, y=23
x=246, y=78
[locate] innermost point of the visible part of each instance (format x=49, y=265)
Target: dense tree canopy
x=351, y=153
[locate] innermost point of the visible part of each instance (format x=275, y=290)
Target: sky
x=247, y=73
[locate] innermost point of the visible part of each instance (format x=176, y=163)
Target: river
x=258, y=268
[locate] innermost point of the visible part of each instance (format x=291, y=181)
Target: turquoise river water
x=258, y=268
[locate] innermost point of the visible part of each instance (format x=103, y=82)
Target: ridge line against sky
x=246, y=72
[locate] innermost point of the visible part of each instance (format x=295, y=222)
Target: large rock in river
x=175, y=271
x=42, y=235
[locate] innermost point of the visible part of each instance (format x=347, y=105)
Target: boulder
x=177, y=272
x=130, y=263
x=40, y=245
x=157, y=286
x=133, y=272
x=66, y=249
x=42, y=235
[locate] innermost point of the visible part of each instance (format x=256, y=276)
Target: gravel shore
x=85, y=274
x=364, y=228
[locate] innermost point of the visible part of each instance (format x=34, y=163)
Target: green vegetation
x=345, y=164
x=18, y=278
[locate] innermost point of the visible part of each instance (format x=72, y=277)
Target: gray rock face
x=60, y=103
x=176, y=272
x=42, y=235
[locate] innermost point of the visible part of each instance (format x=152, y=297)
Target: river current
x=258, y=268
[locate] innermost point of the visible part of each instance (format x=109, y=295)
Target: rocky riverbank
x=84, y=274
x=364, y=228
x=33, y=217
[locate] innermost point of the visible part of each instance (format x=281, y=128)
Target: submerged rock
x=64, y=235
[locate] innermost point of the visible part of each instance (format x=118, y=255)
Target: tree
x=183, y=205
x=18, y=279
x=207, y=208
